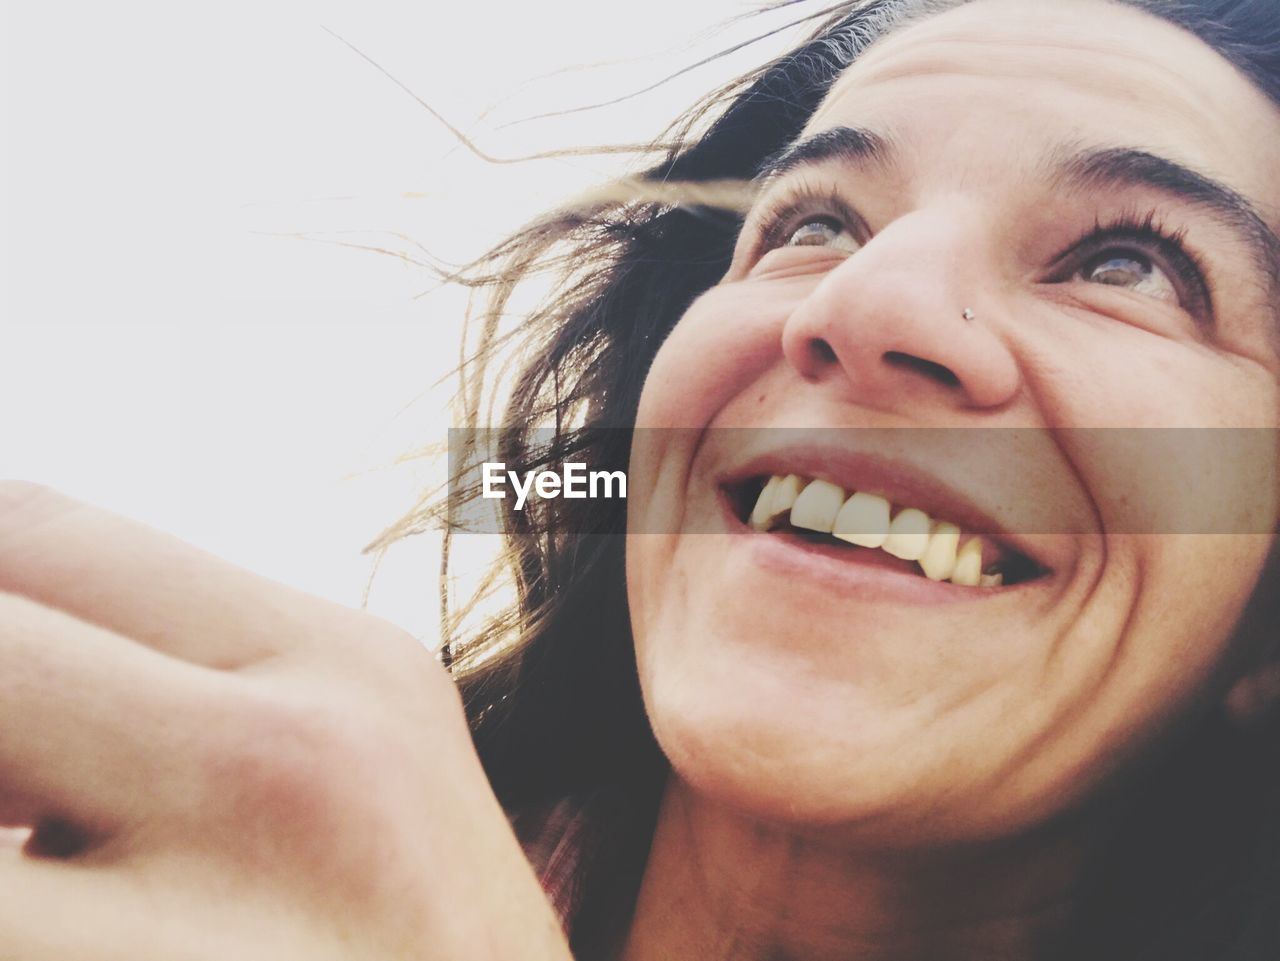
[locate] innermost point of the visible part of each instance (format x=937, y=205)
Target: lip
x=902, y=483
x=867, y=573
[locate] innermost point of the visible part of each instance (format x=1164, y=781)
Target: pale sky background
x=187, y=340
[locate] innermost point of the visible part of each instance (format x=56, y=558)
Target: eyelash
x=783, y=216
x=1148, y=234
x=1143, y=232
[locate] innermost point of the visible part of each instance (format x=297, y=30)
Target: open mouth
x=821, y=512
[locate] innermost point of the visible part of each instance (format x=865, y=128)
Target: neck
x=720, y=886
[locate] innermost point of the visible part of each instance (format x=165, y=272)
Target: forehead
x=993, y=80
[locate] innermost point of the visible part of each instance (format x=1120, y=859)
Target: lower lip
x=857, y=570
x=867, y=572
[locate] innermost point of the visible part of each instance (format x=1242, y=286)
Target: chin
x=824, y=755
x=770, y=745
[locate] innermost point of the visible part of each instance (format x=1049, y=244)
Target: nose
x=913, y=315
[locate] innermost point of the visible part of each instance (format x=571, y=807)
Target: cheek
x=1182, y=481
x=1172, y=481
x=1100, y=372
x=724, y=342
x=727, y=340
x=1171, y=653
x=1167, y=437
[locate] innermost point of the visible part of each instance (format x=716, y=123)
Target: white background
x=192, y=335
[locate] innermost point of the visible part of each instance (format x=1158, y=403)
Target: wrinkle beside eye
x=806, y=261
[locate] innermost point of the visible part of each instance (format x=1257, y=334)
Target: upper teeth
x=866, y=520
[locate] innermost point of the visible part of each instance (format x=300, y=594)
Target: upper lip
x=903, y=483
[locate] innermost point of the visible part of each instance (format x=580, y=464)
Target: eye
x=822, y=232
x=1138, y=254
x=1131, y=269
x=806, y=215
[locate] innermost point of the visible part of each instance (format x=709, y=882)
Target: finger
x=96, y=731
x=150, y=586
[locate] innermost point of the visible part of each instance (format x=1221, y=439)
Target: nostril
x=57, y=839
x=935, y=372
x=824, y=352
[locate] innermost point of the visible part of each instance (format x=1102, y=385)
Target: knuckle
x=287, y=759
x=330, y=742
x=296, y=785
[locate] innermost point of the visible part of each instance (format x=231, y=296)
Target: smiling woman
x=939, y=620
x=905, y=655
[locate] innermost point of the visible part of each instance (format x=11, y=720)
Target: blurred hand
x=215, y=766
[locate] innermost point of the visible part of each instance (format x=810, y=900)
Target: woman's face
x=1033, y=163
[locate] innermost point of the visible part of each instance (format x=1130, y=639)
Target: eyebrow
x=1096, y=167
x=848, y=145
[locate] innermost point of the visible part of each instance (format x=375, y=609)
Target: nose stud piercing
x=968, y=313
